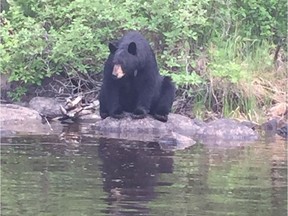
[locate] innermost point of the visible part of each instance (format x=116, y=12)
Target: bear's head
x=125, y=60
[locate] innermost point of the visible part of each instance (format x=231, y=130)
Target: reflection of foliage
x=33, y=182
x=186, y=190
x=221, y=181
x=243, y=180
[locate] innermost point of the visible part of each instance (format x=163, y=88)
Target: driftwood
x=75, y=107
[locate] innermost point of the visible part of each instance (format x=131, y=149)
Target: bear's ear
x=113, y=47
x=132, y=48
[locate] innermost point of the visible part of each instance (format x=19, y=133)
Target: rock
x=149, y=130
x=175, y=141
x=15, y=118
x=181, y=124
x=283, y=131
x=250, y=124
x=177, y=131
x=49, y=107
x=128, y=127
x=89, y=117
x=269, y=128
x=11, y=113
x=227, y=129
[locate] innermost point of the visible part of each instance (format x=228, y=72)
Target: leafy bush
x=43, y=38
x=39, y=40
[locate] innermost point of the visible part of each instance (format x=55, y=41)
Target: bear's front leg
x=115, y=109
x=104, y=113
x=109, y=101
x=145, y=95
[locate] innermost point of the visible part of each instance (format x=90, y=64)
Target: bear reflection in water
x=131, y=172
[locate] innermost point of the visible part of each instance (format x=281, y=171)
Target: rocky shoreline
x=180, y=131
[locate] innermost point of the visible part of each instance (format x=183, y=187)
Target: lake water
x=83, y=175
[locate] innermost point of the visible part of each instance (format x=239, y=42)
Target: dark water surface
x=52, y=175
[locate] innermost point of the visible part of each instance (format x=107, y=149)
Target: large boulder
x=129, y=126
x=226, y=129
x=46, y=106
x=15, y=114
x=177, y=131
x=19, y=119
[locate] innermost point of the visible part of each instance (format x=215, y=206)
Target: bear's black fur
x=132, y=82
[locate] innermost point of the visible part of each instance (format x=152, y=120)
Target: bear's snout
x=117, y=72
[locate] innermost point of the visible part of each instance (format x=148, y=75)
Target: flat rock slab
x=11, y=113
x=129, y=126
x=46, y=106
x=226, y=129
x=177, y=131
x=23, y=120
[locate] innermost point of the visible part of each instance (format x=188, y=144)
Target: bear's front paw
x=139, y=113
x=104, y=115
x=162, y=118
x=118, y=114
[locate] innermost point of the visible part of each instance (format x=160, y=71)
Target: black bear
x=132, y=82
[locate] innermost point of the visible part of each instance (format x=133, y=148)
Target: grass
x=243, y=81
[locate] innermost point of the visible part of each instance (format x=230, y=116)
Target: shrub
x=40, y=39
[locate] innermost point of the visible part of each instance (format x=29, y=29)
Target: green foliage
x=225, y=62
x=22, y=54
x=40, y=39
x=251, y=19
x=17, y=93
x=227, y=84
x=229, y=70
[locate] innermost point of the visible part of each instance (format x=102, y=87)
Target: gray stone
x=178, y=131
x=227, y=129
x=49, y=107
x=15, y=118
